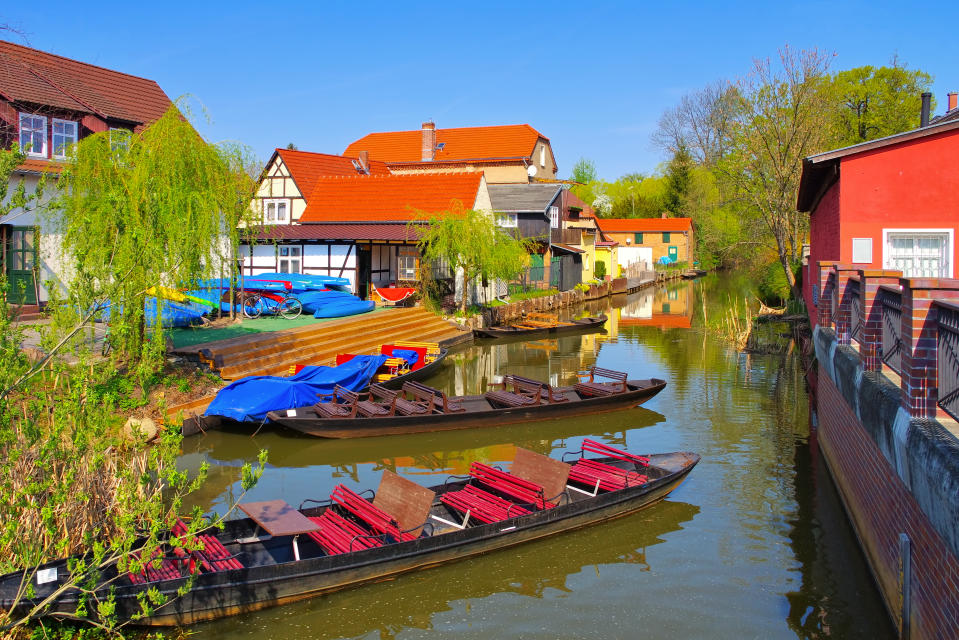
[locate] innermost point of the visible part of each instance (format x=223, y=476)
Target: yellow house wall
x=277, y=184
x=543, y=160
x=654, y=240
x=495, y=174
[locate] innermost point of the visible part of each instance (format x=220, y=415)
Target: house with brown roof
x=47, y=104
x=515, y=154
x=354, y=226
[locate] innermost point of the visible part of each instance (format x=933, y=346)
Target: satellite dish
x=531, y=170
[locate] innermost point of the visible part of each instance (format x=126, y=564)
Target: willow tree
x=157, y=207
x=472, y=244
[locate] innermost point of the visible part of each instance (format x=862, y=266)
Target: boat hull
x=592, y=323
x=307, y=422
x=218, y=595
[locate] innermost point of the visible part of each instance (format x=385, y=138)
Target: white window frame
x=542, y=156
x=508, y=220
x=120, y=140
x=292, y=256
x=554, y=217
x=406, y=272
x=950, y=248
x=46, y=138
x=276, y=202
x=67, y=145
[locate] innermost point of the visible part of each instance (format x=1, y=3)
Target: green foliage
x=873, y=102
x=599, y=269
x=18, y=198
x=532, y=293
x=472, y=243
x=678, y=178
x=584, y=171
x=161, y=209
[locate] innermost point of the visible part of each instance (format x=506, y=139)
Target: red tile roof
x=36, y=165
x=464, y=143
x=389, y=198
x=335, y=231
x=643, y=225
x=31, y=76
x=306, y=167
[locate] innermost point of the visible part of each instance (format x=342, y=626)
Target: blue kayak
x=172, y=314
x=344, y=308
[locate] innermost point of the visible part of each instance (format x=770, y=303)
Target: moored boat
x=519, y=400
x=349, y=540
x=530, y=327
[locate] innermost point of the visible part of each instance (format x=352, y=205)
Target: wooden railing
x=947, y=346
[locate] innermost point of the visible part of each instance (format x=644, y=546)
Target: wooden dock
x=275, y=352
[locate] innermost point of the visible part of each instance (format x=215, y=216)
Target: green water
x=753, y=545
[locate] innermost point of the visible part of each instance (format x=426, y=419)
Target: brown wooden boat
x=423, y=409
x=283, y=554
x=536, y=325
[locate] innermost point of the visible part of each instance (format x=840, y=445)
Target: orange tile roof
x=641, y=225
x=386, y=198
x=37, y=165
x=306, y=167
x=464, y=143
x=33, y=76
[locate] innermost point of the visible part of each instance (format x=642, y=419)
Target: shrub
x=600, y=269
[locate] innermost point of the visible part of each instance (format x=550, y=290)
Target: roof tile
x=306, y=167
x=463, y=143
x=643, y=225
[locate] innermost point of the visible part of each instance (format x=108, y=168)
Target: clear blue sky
x=594, y=77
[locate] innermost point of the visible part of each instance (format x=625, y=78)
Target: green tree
x=678, y=177
x=472, y=244
x=873, y=102
x=163, y=208
x=584, y=171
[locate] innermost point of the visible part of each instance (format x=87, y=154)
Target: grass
x=528, y=295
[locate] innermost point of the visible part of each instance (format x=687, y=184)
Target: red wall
x=909, y=185
x=823, y=243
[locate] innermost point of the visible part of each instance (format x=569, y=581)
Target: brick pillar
x=842, y=300
x=918, y=332
x=825, y=286
x=870, y=335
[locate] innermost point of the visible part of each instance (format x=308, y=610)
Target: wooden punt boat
x=265, y=571
x=537, y=327
x=491, y=409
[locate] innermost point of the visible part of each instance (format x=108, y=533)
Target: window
x=64, y=136
x=919, y=253
x=507, y=220
x=291, y=259
x=119, y=139
x=638, y=238
x=665, y=236
x=554, y=217
x=274, y=211
x=33, y=134
x=862, y=250
x=406, y=268
x=542, y=156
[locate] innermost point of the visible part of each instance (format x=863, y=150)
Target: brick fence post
x=870, y=335
x=842, y=300
x=919, y=332
x=825, y=287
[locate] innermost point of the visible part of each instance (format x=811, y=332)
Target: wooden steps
x=274, y=353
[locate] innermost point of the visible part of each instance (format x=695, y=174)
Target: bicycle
x=256, y=304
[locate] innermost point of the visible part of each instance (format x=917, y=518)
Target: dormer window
x=33, y=135
x=64, y=137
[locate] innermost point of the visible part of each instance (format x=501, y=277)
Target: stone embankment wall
x=896, y=475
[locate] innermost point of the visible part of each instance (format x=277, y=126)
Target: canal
x=753, y=545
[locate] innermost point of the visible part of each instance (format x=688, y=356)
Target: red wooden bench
x=340, y=535
x=602, y=476
x=213, y=556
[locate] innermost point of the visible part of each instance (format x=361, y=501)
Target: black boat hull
x=478, y=414
x=592, y=323
x=217, y=595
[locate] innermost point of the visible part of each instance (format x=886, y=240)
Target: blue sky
x=594, y=77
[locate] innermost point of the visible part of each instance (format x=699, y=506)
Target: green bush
x=773, y=288
x=600, y=269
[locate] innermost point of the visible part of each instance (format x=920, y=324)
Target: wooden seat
x=510, y=399
x=510, y=485
x=397, y=403
x=340, y=535
x=529, y=386
x=213, y=556
x=160, y=567
x=406, y=501
x=544, y=471
x=346, y=404
x=433, y=397
x=481, y=505
x=594, y=388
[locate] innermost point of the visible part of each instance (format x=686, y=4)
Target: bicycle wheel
x=290, y=308
x=251, y=306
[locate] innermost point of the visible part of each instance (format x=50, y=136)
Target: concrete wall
x=895, y=475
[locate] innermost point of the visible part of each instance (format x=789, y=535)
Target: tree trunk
x=465, y=292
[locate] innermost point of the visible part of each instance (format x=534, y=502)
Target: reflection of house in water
x=667, y=308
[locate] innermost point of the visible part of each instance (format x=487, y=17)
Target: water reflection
x=548, y=570
x=754, y=543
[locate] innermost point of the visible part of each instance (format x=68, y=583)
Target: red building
x=889, y=203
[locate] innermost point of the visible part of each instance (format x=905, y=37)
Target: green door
x=673, y=254
x=21, y=264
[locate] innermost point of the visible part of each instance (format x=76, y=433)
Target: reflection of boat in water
x=387, y=609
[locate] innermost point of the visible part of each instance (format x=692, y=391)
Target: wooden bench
x=213, y=556
x=346, y=404
x=544, y=471
x=529, y=386
x=433, y=397
x=397, y=403
x=510, y=399
x=594, y=388
x=602, y=476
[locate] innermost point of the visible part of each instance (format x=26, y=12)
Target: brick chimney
x=364, y=159
x=952, y=100
x=429, y=140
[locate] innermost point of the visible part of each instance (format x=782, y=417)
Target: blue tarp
x=249, y=399
x=409, y=355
